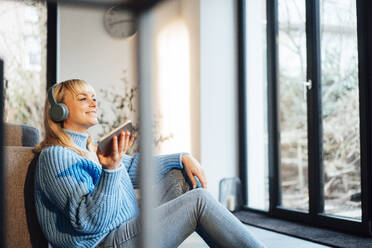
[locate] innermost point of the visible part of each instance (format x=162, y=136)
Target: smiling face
x=82, y=107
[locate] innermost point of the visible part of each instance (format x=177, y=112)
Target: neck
x=80, y=139
x=77, y=129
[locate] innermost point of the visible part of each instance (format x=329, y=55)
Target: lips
x=92, y=112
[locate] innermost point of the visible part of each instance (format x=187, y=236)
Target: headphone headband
x=51, y=98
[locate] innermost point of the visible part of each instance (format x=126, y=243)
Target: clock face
x=119, y=22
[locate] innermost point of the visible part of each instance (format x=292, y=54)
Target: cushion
x=21, y=135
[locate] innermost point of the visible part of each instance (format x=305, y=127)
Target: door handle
x=307, y=85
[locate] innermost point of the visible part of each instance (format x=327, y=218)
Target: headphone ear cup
x=58, y=112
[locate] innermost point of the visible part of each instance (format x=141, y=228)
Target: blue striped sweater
x=77, y=202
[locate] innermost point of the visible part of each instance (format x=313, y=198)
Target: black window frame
x=315, y=216
x=52, y=37
x=2, y=173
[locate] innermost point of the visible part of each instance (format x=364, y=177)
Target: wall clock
x=120, y=22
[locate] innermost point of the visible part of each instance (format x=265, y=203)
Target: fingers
x=121, y=142
x=131, y=140
x=114, y=145
x=202, y=179
x=199, y=173
x=120, y=147
x=102, y=159
x=192, y=178
x=125, y=142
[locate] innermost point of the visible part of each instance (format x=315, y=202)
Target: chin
x=92, y=123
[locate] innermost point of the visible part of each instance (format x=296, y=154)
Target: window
x=305, y=139
x=23, y=50
x=173, y=88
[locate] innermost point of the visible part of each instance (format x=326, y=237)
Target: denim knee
x=201, y=195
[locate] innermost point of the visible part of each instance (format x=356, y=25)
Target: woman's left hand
x=193, y=168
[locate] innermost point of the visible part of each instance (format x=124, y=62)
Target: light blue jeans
x=180, y=213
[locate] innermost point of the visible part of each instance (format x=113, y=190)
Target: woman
x=86, y=199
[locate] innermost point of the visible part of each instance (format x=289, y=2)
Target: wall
x=256, y=107
x=191, y=14
x=218, y=77
x=86, y=51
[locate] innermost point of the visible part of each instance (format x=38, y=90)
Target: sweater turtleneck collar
x=80, y=139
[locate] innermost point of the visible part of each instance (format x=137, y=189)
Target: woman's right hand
x=119, y=148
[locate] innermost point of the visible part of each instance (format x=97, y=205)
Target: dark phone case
x=105, y=145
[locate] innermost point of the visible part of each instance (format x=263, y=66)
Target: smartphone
x=105, y=143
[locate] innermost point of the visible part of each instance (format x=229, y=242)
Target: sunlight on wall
x=173, y=92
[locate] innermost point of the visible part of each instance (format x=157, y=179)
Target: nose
x=92, y=103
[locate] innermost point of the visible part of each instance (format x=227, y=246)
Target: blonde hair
x=54, y=133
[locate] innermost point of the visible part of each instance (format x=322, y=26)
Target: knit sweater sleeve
x=164, y=163
x=75, y=186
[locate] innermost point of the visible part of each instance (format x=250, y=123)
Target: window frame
x=52, y=37
x=2, y=172
x=315, y=216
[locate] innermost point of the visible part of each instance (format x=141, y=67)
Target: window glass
x=292, y=104
x=340, y=106
x=23, y=49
